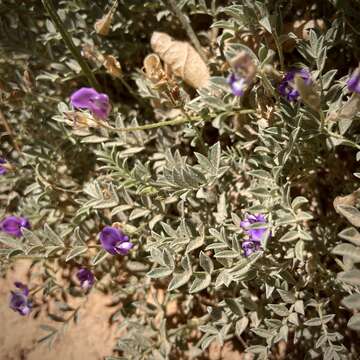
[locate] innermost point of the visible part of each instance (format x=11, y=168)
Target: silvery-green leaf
x=349, y=250
x=30, y=237
x=99, y=257
x=206, y=263
x=313, y=322
x=52, y=236
x=351, y=214
x=354, y=322
x=241, y=325
x=76, y=251
x=351, y=234
x=201, y=282
x=351, y=277
x=279, y=309
x=352, y=301
x=179, y=279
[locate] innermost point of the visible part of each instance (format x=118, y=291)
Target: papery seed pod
x=112, y=66
x=102, y=26
x=153, y=69
x=182, y=58
x=93, y=54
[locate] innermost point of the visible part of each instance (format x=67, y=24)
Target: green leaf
x=298, y=201
x=256, y=349
x=201, y=282
x=350, y=277
x=206, y=263
x=351, y=234
x=159, y=272
x=290, y=236
x=313, y=322
x=265, y=22
x=99, y=257
x=351, y=214
x=352, y=301
x=52, y=236
x=348, y=250
x=227, y=254
x=354, y=322
x=279, y=309
x=76, y=251
x=287, y=296
x=241, y=325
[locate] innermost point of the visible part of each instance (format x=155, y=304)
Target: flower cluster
x=88, y=98
x=237, y=84
x=13, y=225
x=86, y=278
x=3, y=166
x=255, y=235
x=286, y=87
x=114, y=241
x=353, y=83
x=19, y=299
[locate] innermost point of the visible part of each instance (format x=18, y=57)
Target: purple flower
x=89, y=98
x=114, y=241
x=12, y=225
x=254, y=234
x=86, y=278
x=286, y=87
x=353, y=83
x=237, y=84
x=3, y=169
x=19, y=300
x=253, y=243
x=250, y=247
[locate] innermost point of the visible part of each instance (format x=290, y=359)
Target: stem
x=9, y=131
x=279, y=50
x=189, y=30
x=165, y=123
x=49, y=6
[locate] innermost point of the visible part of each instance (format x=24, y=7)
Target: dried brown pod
x=182, y=59
x=153, y=69
x=112, y=66
x=91, y=53
x=81, y=120
x=103, y=25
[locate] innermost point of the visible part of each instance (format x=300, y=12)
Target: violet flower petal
x=124, y=248
x=12, y=225
x=89, y=98
x=353, y=83
x=19, y=300
x=3, y=169
x=86, y=278
x=111, y=239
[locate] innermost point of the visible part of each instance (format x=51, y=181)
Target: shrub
x=197, y=160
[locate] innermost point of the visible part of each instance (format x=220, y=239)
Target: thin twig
x=49, y=6
x=165, y=123
x=188, y=28
x=9, y=131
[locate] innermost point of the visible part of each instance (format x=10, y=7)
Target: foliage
x=178, y=168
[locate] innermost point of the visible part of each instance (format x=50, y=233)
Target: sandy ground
x=92, y=338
